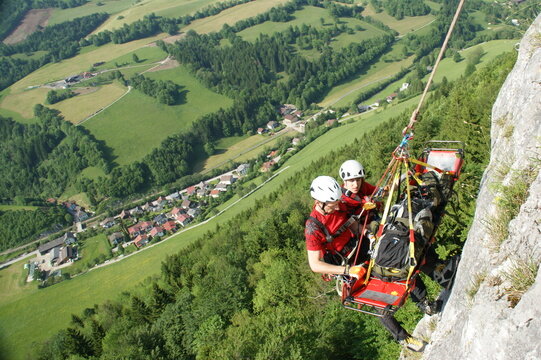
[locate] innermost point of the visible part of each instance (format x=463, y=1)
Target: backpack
x=391, y=255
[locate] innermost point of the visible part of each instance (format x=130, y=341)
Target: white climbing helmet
x=351, y=169
x=325, y=189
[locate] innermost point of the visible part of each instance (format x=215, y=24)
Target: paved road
x=19, y=258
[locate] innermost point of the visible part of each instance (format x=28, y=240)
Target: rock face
x=482, y=319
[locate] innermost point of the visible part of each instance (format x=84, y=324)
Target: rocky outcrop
x=484, y=317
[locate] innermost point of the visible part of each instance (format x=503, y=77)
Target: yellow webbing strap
x=419, y=162
x=413, y=262
x=394, y=185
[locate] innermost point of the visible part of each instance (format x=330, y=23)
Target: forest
x=166, y=92
x=400, y=8
x=245, y=290
x=12, y=11
x=43, y=160
x=27, y=224
x=40, y=160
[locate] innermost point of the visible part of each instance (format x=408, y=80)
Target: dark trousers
x=394, y=327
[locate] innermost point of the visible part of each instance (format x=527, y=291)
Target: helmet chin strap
x=322, y=207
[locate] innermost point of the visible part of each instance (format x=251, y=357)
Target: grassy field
x=237, y=148
x=81, y=62
x=167, y=8
x=452, y=70
x=146, y=54
x=36, y=55
x=72, y=194
x=17, y=207
x=344, y=94
x=21, y=100
x=91, y=249
x=407, y=24
x=311, y=15
x=107, y=6
x=26, y=313
x=131, y=127
x=232, y=15
x=79, y=107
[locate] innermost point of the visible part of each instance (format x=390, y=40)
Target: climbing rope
x=413, y=118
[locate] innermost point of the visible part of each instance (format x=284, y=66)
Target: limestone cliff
x=487, y=315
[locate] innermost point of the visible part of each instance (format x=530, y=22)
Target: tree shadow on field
x=181, y=97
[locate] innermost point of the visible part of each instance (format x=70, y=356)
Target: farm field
x=26, y=313
x=91, y=249
x=131, y=128
x=78, y=108
x=167, y=8
x=452, y=70
x=107, y=6
x=81, y=62
x=232, y=15
x=239, y=148
x=344, y=94
x=407, y=24
x=17, y=207
x=147, y=54
x=311, y=16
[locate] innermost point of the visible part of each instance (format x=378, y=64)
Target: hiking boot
x=429, y=307
x=444, y=274
x=413, y=344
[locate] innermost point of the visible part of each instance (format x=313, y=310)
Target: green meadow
x=17, y=207
x=451, y=70
x=232, y=15
x=132, y=126
x=345, y=93
x=311, y=15
x=78, y=108
x=167, y=8
x=89, y=252
x=407, y=24
x=239, y=148
x=91, y=7
x=28, y=314
x=147, y=55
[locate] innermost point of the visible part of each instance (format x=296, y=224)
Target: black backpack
x=391, y=257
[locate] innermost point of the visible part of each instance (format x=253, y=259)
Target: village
x=167, y=214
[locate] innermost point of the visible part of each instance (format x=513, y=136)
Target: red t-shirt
x=354, y=202
x=315, y=237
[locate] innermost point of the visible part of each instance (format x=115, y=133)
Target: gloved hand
x=357, y=271
x=369, y=205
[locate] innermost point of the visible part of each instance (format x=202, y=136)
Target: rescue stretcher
x=374, y=294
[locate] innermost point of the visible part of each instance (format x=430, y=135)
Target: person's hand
x=369, y=205
x=357, y=271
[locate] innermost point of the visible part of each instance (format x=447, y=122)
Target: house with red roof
x=191, y=190
x=141, y=240
x=170, y=226
x=135, y=230
x=183, y=219
x=215, y=193
x=156, y=231
x=267, y=166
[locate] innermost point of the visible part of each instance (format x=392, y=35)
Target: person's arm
x=319, y=266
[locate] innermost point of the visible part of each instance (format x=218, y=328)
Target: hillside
x=305, y=52
x=242, y=278
x=248, y=285
x=493, y=311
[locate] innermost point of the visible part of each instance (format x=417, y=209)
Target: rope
x=413, y=118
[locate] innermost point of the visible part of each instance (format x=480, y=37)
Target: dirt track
x=30, y=23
